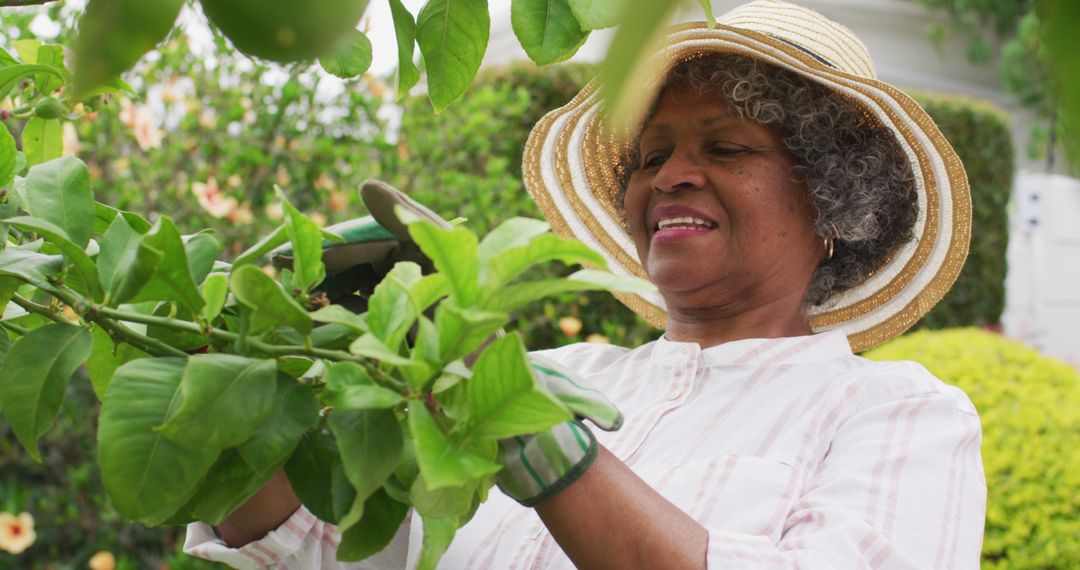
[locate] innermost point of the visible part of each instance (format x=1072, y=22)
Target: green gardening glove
x=536, y=467
x=371, y=246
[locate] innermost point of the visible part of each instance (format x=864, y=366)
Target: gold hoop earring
x=829, y=245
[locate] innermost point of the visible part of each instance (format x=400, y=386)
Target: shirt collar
x=754, y=351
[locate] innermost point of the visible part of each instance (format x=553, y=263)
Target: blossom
x=570, y=326
x=234, y=181
x=71, y=139
x=103, y=560
x=16, y=532
x=318, y=218
x=212, y=200
x=241, y=215
x=208, y=119
x=274, y=211
x=597, y=339
x=324, y=182
x=338, y=201
x=140, y=121
x=282, y=177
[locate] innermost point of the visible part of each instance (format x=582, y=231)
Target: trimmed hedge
x=1030, y=410
x=980, y=134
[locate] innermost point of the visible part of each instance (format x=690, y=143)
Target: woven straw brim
x=571, y=169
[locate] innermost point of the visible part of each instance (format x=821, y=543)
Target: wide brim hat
x=573, y=155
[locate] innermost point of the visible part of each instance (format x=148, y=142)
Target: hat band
x=803, y=49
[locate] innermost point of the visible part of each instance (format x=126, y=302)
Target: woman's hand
x=266, y=510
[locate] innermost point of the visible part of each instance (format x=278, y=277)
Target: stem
x=32, y=307
x=142, y=342
x=14, y=328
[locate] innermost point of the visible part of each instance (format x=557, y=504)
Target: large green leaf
x=306, y=238
x=438, y=533
x=229, y=484
x=461, y=331
x=59, y=191
x=156, y=270
x=310, y=470
x=453, y=36
x=114, y=34
x=511, y=262
x=598, y=14
x=223, y=398
x=73, y=253
x=547, y=29
x=34, y=376
x=106, y=357
x=340, y=315
x=370, y=444
x=262, y=247
x=147, y=475
x=504, y=397
x=445, y=502
x=269, y=303
x=454, y=253
x=11, y=74
x=351, y=59
x=202, y=250
x=214, y=290
x=514, y=296
x=349, y=387
x=7, y=157
x=119, y=240
x=43, y=140
x=442, y=464
x=514, y=232
x=382, y=517
x=295, y=412
x=405, y=30
x=370, y=346
x=391, y=309
x=52, y=56
x=30, y=266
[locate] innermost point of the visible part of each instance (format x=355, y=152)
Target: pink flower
x=570, y=326
x=242, y=215
x=212, y=200
x=140, y=121
x=16, y=532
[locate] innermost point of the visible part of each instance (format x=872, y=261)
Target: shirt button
x=674, y=393
x=537, y=530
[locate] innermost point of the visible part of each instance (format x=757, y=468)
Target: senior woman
x=789, y=208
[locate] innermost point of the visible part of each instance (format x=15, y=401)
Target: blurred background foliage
x=207, y=136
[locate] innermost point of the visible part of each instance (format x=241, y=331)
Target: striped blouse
x=792, y=453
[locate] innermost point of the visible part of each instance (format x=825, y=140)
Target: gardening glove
x=536, y=467
x=371, y=246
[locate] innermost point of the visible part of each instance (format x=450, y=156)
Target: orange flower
x=16, y=532
x=241, y=215
x=338, y=201
x=570, y=326
x=103, y=560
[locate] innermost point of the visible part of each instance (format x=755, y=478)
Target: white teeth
x=684, y=222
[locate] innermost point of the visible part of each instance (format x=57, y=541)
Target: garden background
x=210, y=131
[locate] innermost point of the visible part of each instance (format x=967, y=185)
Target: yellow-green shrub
x=1030, y=410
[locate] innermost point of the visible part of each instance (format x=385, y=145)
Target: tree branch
x=17, y=3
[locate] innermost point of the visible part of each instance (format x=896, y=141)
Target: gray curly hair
x=859, y=180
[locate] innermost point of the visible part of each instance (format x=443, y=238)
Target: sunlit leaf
x=342, y=316
x=156, y=270
x=598, y=14
x=441, y=463
x=34, y=376
x=461, y=331
x=405, y=30
x=454, y=253
x=438, y=533
x=306, y=238
x=114, y=34
x=215, y=290
x=73, y=253
x=514, y=232
x=106, y=357
x=453, y=36
x=262, y=247
x=626, y=63
x=391, y=310
x=202, y=250
x=547, y=29
x=351, y=59
x=59, y=192
x=7, y=157
x=511, y=262
x=42, y=140
x=270, y=304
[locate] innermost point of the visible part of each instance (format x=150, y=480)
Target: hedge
x=1030, y=410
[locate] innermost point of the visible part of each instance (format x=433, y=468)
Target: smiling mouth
x=684, y=223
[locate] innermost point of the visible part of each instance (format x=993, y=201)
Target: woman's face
x=714, y=211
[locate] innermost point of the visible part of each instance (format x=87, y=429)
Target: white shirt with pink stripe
x=793, y=453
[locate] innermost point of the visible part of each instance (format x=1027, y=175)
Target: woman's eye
x=725, y=150
x=653, y=160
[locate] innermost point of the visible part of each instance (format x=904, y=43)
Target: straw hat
x=571, y=157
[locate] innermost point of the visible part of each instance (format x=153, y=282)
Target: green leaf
x=114, y=34
x=202, y=250
x=342, y=316
x=405, y=30
x=52, y=56
x=453, y=36
x=12, y=74
x=382, y=518
x=59, y=192
x=626, y=63
x=370, y=444
x=706, y=6
x=229, y=484
x=504, y=397
x=426, y=347
x=34, y=376
x=517, y=295
x=295, y=412
x=428, y=289
x=598, y=14
x=73, y=253
x=454, y=253
x=547, y=29
x=214, y=290
x=264, y=246
x=511, y=262
x=119, y=240
x=514, y=232
x=106, y=357
x=306, y=238
x=445, y=502
x=156, y=269
x=349, y=387
x=7, y=157
x=351, y=59
x=442, y=464
x=461, y=331
x=391, y=310
x=27, y=49
x=43, y=140
x=31, y=267
x=438, y=533
x=270, y=304
x=147, y=475
x=370, y=346
x=223, y=398
x=310, y=470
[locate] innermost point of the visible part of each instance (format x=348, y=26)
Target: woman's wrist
x=266, y=510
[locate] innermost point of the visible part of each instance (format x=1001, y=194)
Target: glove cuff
x=537, y=470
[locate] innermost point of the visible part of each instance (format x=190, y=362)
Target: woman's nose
x=679, y=172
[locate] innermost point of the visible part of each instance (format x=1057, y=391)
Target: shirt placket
x=680, y=369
